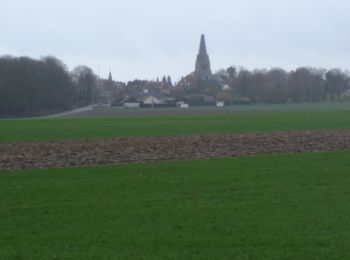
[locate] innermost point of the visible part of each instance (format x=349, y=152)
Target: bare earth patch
x=70, y=153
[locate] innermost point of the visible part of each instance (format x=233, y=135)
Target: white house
x=130, y=102
x=151, y=99
x=183, y=105
x=220, y=104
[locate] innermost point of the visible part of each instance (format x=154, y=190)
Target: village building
x=203, y=69
x=130, y=102
x=107, y=90
x=151, y=99
x=200, y=88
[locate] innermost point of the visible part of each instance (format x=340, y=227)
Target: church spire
x=203, y=69
x=110, y=76
x=202, y=46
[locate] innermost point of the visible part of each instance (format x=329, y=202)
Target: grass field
x=289, y=107
x=270, y=207
x=70, y=128
x=265, y=207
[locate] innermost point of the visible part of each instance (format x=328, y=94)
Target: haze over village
x=47, y=86
x=145, y=40
x=113, y=54
x=253, y=46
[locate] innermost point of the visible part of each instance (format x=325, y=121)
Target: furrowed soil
x=71, y=153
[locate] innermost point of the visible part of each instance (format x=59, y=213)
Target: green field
x=265, y=207
x=206, y=110
x=269, y=207
x=66, y=128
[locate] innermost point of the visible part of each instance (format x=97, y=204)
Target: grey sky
x=149, y=38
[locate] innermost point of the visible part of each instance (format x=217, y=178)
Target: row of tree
x=280, y=86
x=33, y=87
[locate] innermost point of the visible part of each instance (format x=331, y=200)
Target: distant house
x=145, y=98
x=345, y=96
x=183, y=105
x=107, y=89
x=226, y=88
x=220, y=103
x=152, y=99
x=130, y=102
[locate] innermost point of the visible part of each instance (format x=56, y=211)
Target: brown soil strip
x=70, y=153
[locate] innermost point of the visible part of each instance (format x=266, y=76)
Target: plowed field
x=87, y=152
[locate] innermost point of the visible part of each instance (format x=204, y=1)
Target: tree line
x=37, y=87
x=276, y=85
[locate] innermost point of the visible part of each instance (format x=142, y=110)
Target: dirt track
x=52, y=154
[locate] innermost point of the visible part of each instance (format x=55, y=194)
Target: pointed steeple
x=202, y=46
x=110, y=76
x=203, y=69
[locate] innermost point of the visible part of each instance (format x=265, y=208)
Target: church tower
x=203, y=69
x=110, y=76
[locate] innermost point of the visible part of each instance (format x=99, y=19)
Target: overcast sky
x=149, y=38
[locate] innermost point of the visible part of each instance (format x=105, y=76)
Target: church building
x=201, y=87
x=203, y=70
